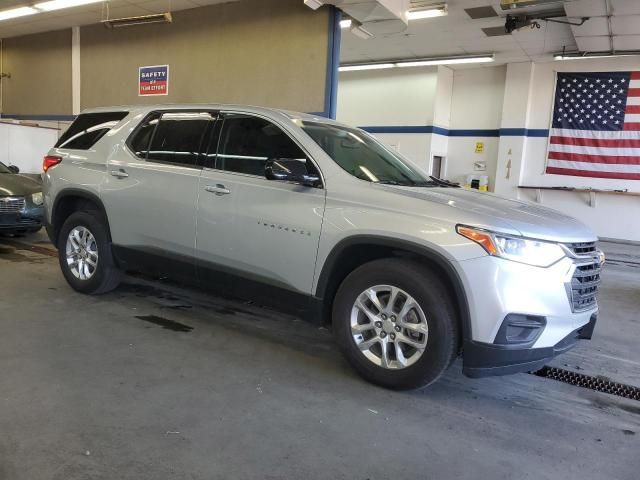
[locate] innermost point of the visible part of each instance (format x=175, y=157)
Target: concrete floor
x=90, y=391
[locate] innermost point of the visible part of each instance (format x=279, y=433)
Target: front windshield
x=4, y=169
x=362, y=156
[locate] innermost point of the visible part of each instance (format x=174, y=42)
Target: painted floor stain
x=165, y=323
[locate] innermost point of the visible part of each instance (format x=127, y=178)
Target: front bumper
x=29, y=220
x=520, y=316
x=488, y=359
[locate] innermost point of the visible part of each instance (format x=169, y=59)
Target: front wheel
x=84, y=253
x=395, y=323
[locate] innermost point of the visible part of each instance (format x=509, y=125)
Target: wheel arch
x=355, y=251
x=71, y=200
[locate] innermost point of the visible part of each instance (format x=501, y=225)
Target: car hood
x=493, y=212
x=11, y=184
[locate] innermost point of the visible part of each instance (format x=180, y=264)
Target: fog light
x=518, y=329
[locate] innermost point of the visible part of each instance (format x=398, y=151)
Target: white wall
x=25, y=146
x=516, y=96
x=397, y=97
x=476, y=104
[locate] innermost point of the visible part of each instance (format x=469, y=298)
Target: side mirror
x=290, y=170
x=14, y=169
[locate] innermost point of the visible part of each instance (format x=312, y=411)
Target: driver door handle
x=119, y=173
x=218, y=189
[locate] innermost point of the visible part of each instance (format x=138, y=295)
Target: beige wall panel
x=263, y=52
x=40, y=68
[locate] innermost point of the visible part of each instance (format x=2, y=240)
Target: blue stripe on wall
x=503, y=132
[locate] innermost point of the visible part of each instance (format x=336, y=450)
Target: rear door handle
x=119, y=173
x=218, y=189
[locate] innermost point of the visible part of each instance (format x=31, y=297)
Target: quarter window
x=178, y=137
x=247, y=142
x=87, y=129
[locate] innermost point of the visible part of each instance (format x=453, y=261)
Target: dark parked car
x=21, y=200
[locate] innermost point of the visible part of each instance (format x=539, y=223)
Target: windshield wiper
x=411, y=183
x=443, y=183
x=393, y=182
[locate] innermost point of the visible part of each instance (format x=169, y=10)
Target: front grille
x=11, y=204
x=584, y=286
x=584, y=248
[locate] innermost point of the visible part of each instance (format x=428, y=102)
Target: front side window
x=247, y=142
x=4, y=168
x=178, y=137
x=362, y=156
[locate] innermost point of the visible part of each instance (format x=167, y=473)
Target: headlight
x=37, y=198
x=532, y=252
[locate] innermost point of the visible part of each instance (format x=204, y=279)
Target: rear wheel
x=84, y=253
x=396, y=324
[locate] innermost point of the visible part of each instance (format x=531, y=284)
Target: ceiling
x=88, y=14
x=615, y=24
x=459, y=34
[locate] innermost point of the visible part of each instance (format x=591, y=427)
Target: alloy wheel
x=389, y=327
x=82, y=253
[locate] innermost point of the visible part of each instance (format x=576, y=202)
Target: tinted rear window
x=87, y=129
x=178, y=137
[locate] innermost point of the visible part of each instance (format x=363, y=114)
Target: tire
x=105, y=276
x=435, y=310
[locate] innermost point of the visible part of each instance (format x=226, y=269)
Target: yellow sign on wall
x=479, y=147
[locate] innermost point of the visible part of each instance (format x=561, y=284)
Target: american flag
x=595, y=131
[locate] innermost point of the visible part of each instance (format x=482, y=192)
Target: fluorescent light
x=427, y=13
x=17, y=12
x=581, y=56
x=418, y=63
x=371, y=66
x=313, y=4
x=360, y=32
x=60, y=4
x=140, y=20
x=446, y=61
x=346, y=23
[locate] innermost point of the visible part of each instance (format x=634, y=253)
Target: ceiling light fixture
x=370, y=66
x=140, y=20
x=360, y=32
x=426, y=62
x=17, y=13
x=446, y=61
x=346, y=23
x=431, y=11
x=52, y=5
x=581, y=56
x=313, y=4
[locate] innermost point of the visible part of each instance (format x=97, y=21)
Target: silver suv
x=316, y=216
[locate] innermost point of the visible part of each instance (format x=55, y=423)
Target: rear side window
x=139, y=142
x=247, y=142
x=178, y=137
x=88, y=128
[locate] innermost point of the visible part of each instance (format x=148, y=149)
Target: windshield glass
x=364, y=157
x=4, y=169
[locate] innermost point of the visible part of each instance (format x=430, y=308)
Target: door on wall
x=437, y=166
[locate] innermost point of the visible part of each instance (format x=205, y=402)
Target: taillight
x=50, y=161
